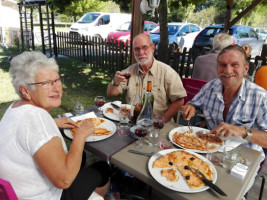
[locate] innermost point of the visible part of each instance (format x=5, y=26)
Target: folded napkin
x=232, y=141
x=84, y=116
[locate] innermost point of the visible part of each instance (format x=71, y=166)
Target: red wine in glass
x=127, y=75
x=140, y=132
x=158, y=123
x=99, y=103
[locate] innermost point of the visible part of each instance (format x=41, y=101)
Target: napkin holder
x=239, y=171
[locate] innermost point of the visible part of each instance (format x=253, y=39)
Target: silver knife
x=115, y=106
x=206, y=181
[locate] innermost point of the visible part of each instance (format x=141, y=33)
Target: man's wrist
x=248, y=134
x=114, y=84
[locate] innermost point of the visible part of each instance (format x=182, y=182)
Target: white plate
x=109, y=125
x=180, y=185
x=183, y=129
x=113, y=116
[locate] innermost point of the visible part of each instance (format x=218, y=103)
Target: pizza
x=201, y=142
x=170, y=174
x=110, y=110
x=181, y=160
x=96, y=122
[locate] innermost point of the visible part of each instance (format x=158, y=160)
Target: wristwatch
x=249, y=133
x=113, y=83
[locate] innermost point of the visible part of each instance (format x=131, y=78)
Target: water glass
x=230, y=157
x=78, y=109
x=124, y=114
x=123, y=129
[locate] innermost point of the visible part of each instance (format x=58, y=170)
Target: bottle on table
x=136, y=104
x=149, y=89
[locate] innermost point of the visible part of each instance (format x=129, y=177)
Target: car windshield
x=172, y=29
x=88, y=18
x=211, y=32
x=125, y=27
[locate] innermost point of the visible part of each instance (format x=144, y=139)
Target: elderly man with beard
x=167, y=87
x=234, y=107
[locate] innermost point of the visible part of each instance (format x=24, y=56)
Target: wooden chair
x=192, y=87
x=6, y=191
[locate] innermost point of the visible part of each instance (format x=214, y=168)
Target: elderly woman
x=34, y=156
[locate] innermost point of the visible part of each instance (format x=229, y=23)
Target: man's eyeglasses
x=144, y=48
x=48, y=84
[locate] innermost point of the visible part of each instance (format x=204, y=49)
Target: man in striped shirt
x=233, y=106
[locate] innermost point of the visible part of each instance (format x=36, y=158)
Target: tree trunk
x=164, y=37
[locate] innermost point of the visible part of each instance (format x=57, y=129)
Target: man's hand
x=188, y=111
x=65, y=122
x=227, y=130
x=118, y=78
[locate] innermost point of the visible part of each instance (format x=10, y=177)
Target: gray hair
x=221, y=41
x=24, y=67
x=146, y=36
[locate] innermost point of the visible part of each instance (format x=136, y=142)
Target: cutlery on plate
x=115, y=106
x=206, y=181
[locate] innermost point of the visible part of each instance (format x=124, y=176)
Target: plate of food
x=168, y=168
x=104, y=129
x=196, y=140
x=112, y=113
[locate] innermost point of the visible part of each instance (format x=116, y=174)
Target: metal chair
x=192, y=87
x=6, y=191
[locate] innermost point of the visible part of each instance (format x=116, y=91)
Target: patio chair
x=260, y=175
x=6, y=191
x=192, y=87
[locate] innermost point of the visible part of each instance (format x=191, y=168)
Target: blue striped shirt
x=248, y=109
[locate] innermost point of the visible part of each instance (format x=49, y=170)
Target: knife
x=115, y=106
x=206, y=181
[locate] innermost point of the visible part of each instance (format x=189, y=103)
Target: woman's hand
x=86, y=129
x=65, y=122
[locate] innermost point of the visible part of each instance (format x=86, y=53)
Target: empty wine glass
x=99, y=102
x=140, y=132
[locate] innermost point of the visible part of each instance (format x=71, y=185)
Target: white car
x=182, y=34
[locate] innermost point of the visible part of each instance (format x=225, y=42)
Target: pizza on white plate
x=96, y=121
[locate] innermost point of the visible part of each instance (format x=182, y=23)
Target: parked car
x=182, y=34
x=242, y=35
x=261, y=33
x=124, y=32
x=99, y=24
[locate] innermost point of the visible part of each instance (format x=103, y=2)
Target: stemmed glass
x=99, y=102
x=158, y=124
x=127, y=75
x=140, y=132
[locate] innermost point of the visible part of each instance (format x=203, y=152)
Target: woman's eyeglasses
x=48, y=84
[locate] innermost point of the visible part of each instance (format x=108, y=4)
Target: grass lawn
x=81, y=83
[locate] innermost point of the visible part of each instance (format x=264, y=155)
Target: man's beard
x=145, y=62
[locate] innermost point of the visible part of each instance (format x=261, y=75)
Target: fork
x=189, y=126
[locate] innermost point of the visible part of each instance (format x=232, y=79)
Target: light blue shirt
x=248, y=109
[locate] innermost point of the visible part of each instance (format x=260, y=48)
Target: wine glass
x=140, y=132
x=126, y=75
x=99, y=102
x=158, y=123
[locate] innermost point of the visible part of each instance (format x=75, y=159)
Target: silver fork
x=189, y=126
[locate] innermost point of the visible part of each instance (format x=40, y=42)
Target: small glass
x=99, y=102
x=78, y=109
x=126, y=75
x=230, y=157
x=153, y=139
x=123, y=129
x=140, y=132
x=124, y=113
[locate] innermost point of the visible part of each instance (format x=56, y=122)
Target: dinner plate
x=183, y=129
x=113, y=116
x=109, y=125
x=180, y=185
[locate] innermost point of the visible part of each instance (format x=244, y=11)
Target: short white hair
x=222, y=40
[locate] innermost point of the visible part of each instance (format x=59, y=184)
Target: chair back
x=260, y=77
x=263, y=162
x=6, y=191
x=192, y=87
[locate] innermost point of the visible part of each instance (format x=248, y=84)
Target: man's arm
x=173, y=109
x=112, y=90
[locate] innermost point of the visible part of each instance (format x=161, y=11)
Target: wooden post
x=137, y=25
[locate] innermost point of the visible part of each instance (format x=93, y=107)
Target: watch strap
x=113, y=83
x=249, y=133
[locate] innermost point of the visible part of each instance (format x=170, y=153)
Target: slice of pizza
x=101, y=131
x=109, y=110
x=162, y=162
x=96, y=121
x=210, y=138
x=170, y=174
x=191, y=179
